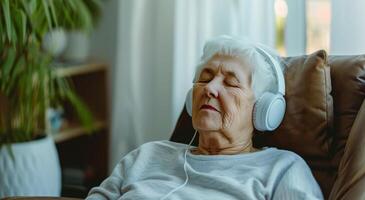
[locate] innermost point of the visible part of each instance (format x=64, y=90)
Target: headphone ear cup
x=268, y=111
x=189, y=102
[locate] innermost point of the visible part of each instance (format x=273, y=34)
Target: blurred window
x=318, y=17
x=281, y=11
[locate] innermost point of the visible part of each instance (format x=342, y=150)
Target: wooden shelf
x=76, y=147
x=75, y=131
x=73, y=70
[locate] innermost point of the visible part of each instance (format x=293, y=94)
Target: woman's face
x=222, y=96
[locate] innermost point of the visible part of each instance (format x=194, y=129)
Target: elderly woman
x=233, y=74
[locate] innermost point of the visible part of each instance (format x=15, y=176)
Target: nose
x=212, y=89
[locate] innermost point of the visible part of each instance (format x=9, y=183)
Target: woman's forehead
x=228, y=64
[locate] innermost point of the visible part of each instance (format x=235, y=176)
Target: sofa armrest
x=350, y=182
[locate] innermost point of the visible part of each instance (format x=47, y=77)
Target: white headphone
x=269, y=108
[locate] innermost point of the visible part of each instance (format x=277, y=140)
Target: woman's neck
x=215, y=144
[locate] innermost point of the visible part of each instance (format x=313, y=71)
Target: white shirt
x=156, y=168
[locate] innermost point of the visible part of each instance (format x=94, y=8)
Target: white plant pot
x=77, y=49
x=54, y=42
x=35, y=170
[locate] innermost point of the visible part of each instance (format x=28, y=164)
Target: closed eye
x=206, y=76
x=203, y=81
x=232, y=82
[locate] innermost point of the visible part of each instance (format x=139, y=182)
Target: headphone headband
x=277, y=70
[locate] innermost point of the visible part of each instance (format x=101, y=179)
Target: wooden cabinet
x=84, y=156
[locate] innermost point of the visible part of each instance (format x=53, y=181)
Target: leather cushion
x=348, y=82
x=306, y=127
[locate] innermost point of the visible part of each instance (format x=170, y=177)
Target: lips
x=209, y=107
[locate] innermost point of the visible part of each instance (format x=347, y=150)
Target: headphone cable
x=186, y=173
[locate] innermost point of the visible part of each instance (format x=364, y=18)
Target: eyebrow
x=209, y=70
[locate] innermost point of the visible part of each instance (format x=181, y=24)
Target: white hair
x=263, y=75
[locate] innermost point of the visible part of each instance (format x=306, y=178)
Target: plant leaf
x=46, y=11
x=19, y=27
x=82, y=111
x=53, y=12
x=16, y=73
x=7, y=67
x=72, y=4
x=23, y=19
x=8, y=22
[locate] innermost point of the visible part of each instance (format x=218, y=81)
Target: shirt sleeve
x=110, y=188
x=298, y=183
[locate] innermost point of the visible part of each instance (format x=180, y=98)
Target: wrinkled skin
x=223, y=101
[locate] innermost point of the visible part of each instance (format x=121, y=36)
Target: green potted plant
x=28, y=86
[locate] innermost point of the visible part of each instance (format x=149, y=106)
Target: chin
x=207, y=125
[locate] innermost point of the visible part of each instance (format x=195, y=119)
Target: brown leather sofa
x=324, y=122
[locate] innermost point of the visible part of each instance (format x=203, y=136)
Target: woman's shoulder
x=284, y=152
x=286, y=155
